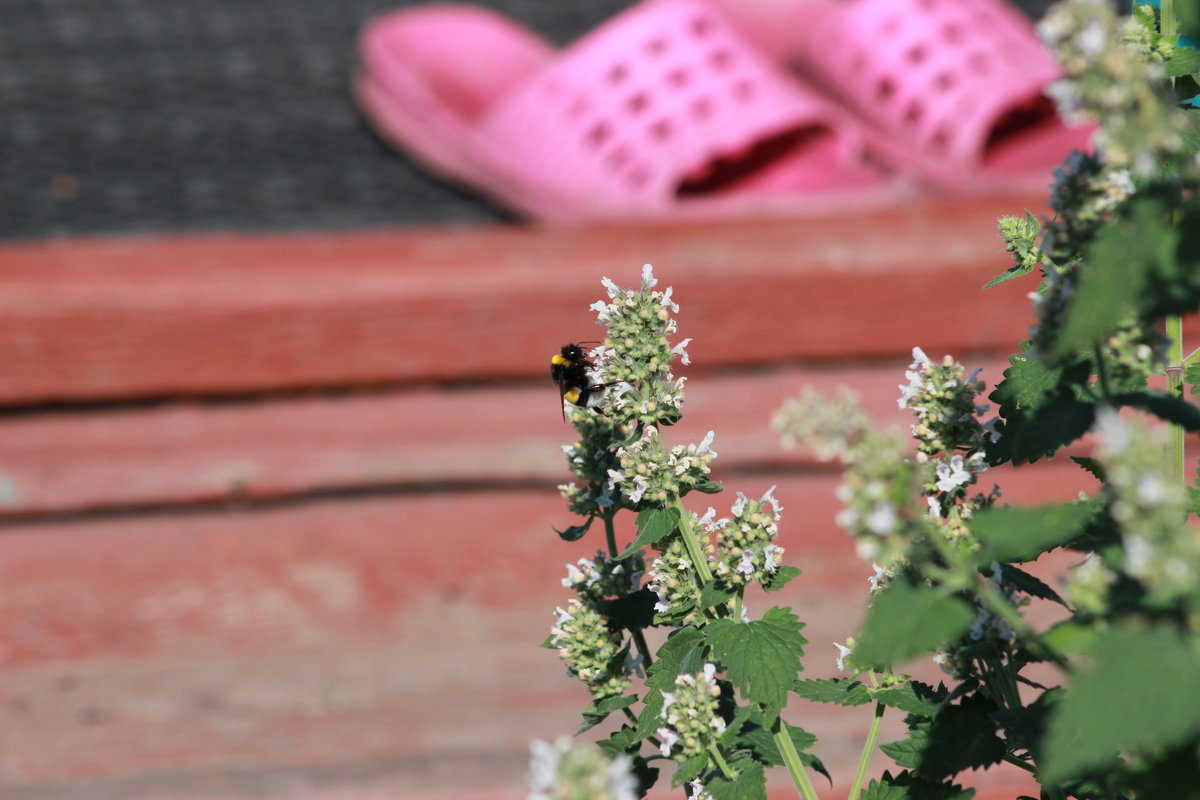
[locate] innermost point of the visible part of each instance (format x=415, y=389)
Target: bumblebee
x=569, y=370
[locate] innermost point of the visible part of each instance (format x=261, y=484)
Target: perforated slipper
x=952, y=90
x=663, y=112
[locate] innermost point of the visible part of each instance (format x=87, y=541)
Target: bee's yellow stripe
x=559, y=361
x=572, y=396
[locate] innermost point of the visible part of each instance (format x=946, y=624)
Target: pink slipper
x=663, y=112
x=951, y=90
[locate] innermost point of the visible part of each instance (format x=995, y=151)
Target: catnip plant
x=1101, y=702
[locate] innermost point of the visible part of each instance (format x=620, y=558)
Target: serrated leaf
x=774, y=581
x=1092, y=466
x=913, y=697
x=1022, y=534
x=620, y=742
x=1022, y=581
x=1010, y=273
x=1027, y=381
x=575, y=532
x=689, y=770
x=1027, y=435
x=1183, y=61
x=1164, y=406
x=632, y=611
x=960, y=737
x=1154, y=672
x=907, y=787
x=714, y=593
x=840, y=691
x=653, y=524
x=761, y=657
x=1115, y=269
x=651, y=717
x=682, y=653
x=905, y=620
x=750, y=782
x=757, y=737
x=598, y=710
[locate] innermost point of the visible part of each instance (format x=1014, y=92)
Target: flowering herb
x=1111, y=712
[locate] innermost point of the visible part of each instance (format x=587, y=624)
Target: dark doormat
x=125, y=116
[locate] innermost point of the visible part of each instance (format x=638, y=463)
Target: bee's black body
x=569, y=369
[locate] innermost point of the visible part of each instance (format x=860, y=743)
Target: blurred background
x=277, y=446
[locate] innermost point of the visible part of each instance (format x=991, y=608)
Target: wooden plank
x=100, y=318
x=184, y=453
x=334, y=644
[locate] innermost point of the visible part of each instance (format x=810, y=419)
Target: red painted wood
x=100, y=318
x=210, y=453
x=388, y=639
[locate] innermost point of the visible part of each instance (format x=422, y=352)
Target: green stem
x=1016, y=762
x=715, y=752
x=791, y=760
x=868, y=748
x=737, y=604
x=1167, y=18
x=1175, y=467
x=695, y=551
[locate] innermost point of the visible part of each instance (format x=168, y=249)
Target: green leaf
x=598, y=710
x=1091, y=465
x=1029, y=434
x=575, y=532
x=682, y=653
x=714, y=593
x=632, y=611
x=1139, y=694
x=907, y=787
x=1027, y=381
x=761, y=657
x=1022, y=534
x=905, y=620
x=840, y=691
x=653, y=524
x=1184, y=61
x=1022, y=581
x=651, y=717
x=705, y=487
x=959, y=737
x=914, y=697
x=620, y=742
x=690, y=769
x=756, y=736
x=1164, y=406
x=774, y=581
x=1114, y=272
x=749, y=784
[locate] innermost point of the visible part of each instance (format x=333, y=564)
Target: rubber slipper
x=662, y=112
x=952, y=90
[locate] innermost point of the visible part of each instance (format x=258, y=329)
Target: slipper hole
x=1020, y=120
x=723, y=172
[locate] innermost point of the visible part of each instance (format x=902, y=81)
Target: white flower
x=769, y=497
x=880, y=575
x=642, y=485
x=919, y=358
x=613, y=289
x=667, y=739
x=667, y=302
x=681, y=352
x=710, y=674
x=882, y=520
x=747, y=565
x=772, y=554
x=662, y=606
x=1151, y=490
x=739, y=505
x=952, y=476
x=648, y=279
x=668, y=701
x=843, y=652
x=606, y=498
x=705, y=447
x=935, y=508
x=709, y=516
x=697, y=791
